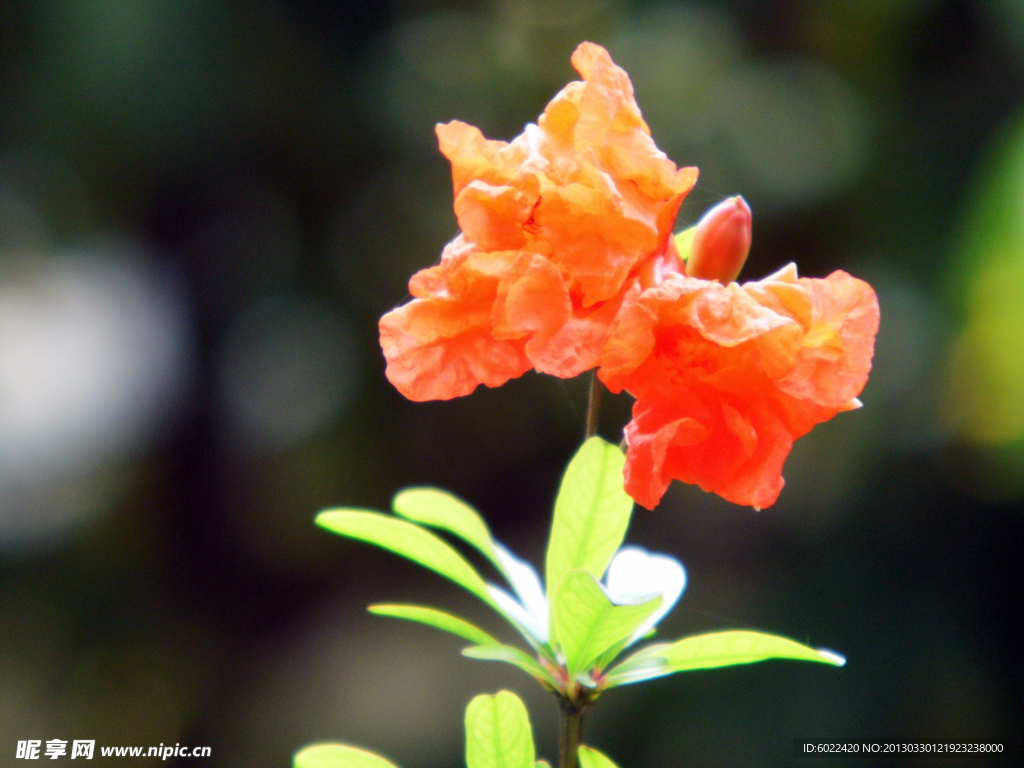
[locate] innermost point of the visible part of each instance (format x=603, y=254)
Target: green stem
x=570, y=733
x=593, y=405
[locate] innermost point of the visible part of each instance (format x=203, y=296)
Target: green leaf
x=587, y=623
x=542, y=764
x=609, y=655
x=717, y=649
x=514, y=656
x=498, y=733
x=339, y=756
x=435, y=618
x=439, y=509
x=642, y=665
x=408, y=540
x=591, y=513
x=591, y=758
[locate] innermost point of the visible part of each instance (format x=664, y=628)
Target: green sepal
x=338, y=756
x=587, y=623
x=591, y=758
x=498, y=733
x=592, y=513
x=684, y=242
x=440, y=509
x=514, y=656
x=434, y=618
x=408, y=540
x=716, y=649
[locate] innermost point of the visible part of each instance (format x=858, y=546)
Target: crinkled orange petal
x=723, y=316
x=754, y=366
x=493, y=216
x=532, y=300
x=425, y=363
x=608, y=195
x=475, y=158
x=441, y=345
x=696, y=434
x=835, y=358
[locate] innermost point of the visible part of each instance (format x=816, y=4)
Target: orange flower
x=726, y=377
x=556, y=226
x=565, y=261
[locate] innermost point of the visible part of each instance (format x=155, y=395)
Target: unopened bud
x=721, y=242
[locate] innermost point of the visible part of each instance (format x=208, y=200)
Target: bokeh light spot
x=91, y=354
x=288, y=367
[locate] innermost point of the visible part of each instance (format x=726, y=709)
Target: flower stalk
x=570, y=732
x=593, y=405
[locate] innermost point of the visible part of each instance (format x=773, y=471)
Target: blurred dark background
x=204, y=209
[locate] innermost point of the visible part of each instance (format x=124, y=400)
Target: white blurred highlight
x=636, y=576
x=91, y=353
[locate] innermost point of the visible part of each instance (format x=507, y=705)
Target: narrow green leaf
x=440, y=509
x=587, y=623
x=498, y=733
x=411, y=541
x=591, y=758
x=433, y=507
x=717, y=649
x=435, y=618
x=339, y=756
x=642, y=665
x=721, y=649
x=511, y=655
x=591, y=513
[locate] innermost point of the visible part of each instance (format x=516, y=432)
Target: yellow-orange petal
x=835, y=355
x=592, y=243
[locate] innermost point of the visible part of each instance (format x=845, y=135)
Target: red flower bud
x=721, y=242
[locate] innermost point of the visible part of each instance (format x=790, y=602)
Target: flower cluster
x=566, y=262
